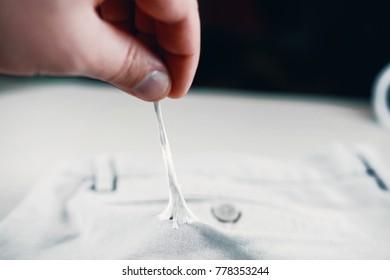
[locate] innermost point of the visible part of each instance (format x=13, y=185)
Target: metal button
x=226, y=213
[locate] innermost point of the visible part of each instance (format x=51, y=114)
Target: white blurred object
x=381, y=97
x=45, y=122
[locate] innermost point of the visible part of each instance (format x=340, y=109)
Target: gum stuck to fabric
x=177, y=209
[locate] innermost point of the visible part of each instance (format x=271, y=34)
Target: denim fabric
x=331, y=205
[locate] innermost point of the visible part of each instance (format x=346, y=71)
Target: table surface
x=44, y=122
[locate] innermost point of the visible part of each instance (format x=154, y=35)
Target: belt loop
x=105, y=178
x=374, y=165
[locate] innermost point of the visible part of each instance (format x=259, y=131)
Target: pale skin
x=118, y=41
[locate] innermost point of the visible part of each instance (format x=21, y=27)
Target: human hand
x=148, y=48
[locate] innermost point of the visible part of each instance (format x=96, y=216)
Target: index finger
x=177, y=31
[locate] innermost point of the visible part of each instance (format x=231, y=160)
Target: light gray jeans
x=332, y=205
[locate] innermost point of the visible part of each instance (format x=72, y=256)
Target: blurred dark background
x=314, y=46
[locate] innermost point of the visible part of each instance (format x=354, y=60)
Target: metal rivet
x=226, y=213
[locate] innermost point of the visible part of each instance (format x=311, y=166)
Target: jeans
x=331, y=205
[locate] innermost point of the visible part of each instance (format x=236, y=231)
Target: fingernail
x=153, y=86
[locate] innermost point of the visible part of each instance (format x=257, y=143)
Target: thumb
x=120, y=59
